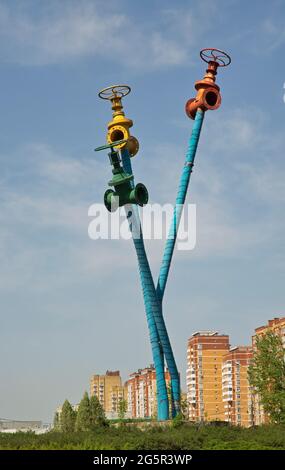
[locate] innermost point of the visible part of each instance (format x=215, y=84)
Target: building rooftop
x=113, y=372
x=206, y=333
x=241, y=348
x=275, y=321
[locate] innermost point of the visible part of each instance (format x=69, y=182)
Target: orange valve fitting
x=208, y=92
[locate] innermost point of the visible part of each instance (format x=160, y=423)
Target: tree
x=56, y=421
x=184, y=408
x=83, y=420
x=267, y=375
x=97, y=415
x=123, y=406
x=177, y=421
x=67, y=417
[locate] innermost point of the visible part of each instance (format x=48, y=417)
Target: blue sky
x=71, y=306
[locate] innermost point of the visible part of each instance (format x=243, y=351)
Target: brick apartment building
x=141, y=393
x=205, y=353
x=237, y=394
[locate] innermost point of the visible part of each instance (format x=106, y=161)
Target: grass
x=185, y=437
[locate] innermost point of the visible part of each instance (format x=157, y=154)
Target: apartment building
x=237, y=393
x=205, y=353
x=109, y=390
x=277, y=326
x=141, y=393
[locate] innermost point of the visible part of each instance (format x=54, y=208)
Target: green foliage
x=67, y=418
x=90, y=415
x=83, y=419
x=267, y=375
x=184, y=408
x=123, y=406
x=177, y=422
x=185, y=437
x=56, y=421
x=97, y=415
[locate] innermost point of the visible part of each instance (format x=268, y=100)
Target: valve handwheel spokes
x=215, y=55
x=114, y=91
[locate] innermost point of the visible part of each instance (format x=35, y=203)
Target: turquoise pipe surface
x=180, y=199
x=150, y=300
x=168, y=252
x=156, y=306
x=153, y=301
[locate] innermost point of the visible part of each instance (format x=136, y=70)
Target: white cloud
x=265, y=36
x=44, y=241
x=237, y=186
x=57, y=35
x=272, y=34
x=266, y=182
x=67, y=31
x=63, y=169
x=237, y=183
x=166, y=51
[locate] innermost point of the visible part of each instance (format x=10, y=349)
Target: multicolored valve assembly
x=208, y=92
x=122, y=147
x=119, y=138
x=124, y=192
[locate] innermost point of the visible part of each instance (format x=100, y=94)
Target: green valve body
x=124, y=192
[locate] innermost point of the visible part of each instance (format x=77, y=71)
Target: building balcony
x=227, y=365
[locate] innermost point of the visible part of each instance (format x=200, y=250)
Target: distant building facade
x=141, y=390
x=13, y=426
x=217, y=378
x=110, y=392
x=237, y=393
x=205, y=353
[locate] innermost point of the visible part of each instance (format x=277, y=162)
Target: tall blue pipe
x=150, y=300
x=180, y=199
x=168, y=252
x=156, y=308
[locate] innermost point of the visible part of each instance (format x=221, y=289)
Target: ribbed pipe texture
x=159, y=338
x=150, y=300
x=180, y=199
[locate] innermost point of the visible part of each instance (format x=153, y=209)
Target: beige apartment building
x=237, y=394
x=141, y=393
x=205, y=353
x=277, y=326
x=109, y=390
